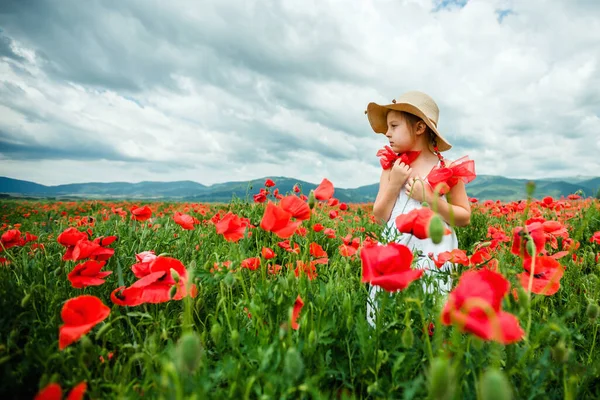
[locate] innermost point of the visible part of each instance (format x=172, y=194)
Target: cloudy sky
x=229, y=90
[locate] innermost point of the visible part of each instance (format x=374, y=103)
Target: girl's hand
x=399, y=173
x=419, y=190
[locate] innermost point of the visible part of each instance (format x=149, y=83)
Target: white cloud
x=236, y=91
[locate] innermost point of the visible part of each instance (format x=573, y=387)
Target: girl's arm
x=386, y=198
x=457, y=210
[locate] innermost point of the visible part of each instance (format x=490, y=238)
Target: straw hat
x=416, y=103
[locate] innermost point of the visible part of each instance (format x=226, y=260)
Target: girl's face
x=399, y=133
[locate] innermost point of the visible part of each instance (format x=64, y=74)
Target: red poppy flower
x=416, y=222
x=156, y=286
x=475, y=307
x=127, y=296
x=80, y=315
x=285, y=244
x=92, y=250
x=388, y=266
x=546, y=275
x=277, y=220
x=77, y=392
x=325, y=190
x=520, y=240
x=269, y=183
x=298, y=304
x=595, y=238
x=333, y=202
x=318, y=227
x=184, y=220
x=88, y=274
x=52, y=391
x=142, y=268
x=11, y=238
x=317, y=251
x=387, y=157
x=251, y=263
x=296, y=188
x=260, y=197
x=231, y=227
x=456, y=256
x=462, y=169
x=267, y=253
x=308, y=269
x=343, y=206
x=298, y=208
x=140, y=213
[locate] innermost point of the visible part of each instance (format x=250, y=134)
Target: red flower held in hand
x=140, y=213
x=184, y=220
x=547, y=275
x=475, y=307
x=80, y=315
x=387, y=157
x=88, y=274
x=325, y=190
x=277, y=220
x=416, y=222
x=388, y=266
x=231, y=227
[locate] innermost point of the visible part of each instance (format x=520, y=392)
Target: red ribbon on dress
x=387, y=157
x=462, y=169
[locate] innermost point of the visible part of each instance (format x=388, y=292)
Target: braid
x=436, y=151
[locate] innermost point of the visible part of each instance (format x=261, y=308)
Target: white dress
x=441, y=282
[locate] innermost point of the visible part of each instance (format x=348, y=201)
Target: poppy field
x=268, y=299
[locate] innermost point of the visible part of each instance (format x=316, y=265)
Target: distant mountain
x=485, y=187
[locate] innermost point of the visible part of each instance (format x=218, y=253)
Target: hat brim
x=378, y=119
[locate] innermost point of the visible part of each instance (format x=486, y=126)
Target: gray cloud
x=247, y=87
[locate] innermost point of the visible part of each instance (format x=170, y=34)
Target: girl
x=412, y=167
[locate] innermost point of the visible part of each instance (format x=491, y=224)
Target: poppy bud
x=311, y=199
x=560, y=353
x=436, y=229
x=25, y=300
x=188, y=353
x=440, y=379
x=234, y=338
x=530, y=188
x=293, y=364
x=347, y=304
x=408, y=338
x=215, y=333
x=172, y=291
x=530, y=245
x=592, y=311
x=523, y=297
x=175, y=275
x=494, y=386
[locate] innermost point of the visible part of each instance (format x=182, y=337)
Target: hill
x=485, y=187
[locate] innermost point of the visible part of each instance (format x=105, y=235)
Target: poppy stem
x=593, y=345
